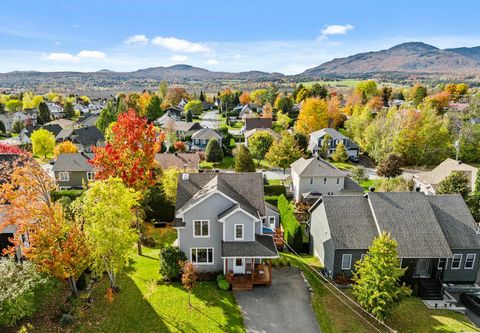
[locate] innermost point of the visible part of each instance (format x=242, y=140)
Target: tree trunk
x=139, y=241
x=72, y=284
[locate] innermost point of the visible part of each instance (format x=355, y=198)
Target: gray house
x=316, y=140
x=201, y=137
x=72, y=171
x=438, y=240
x=220, y=220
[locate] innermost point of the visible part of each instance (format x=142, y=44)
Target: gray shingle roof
x=263, y=246
x=315, y=167
x=251, y=123
x=334, y=134
x=444, y=170
x=351, y=185
x=53, y=128
x=178, y=160
x=88, y=135
x=206, y=134
x=72, y=162
x=240, y=205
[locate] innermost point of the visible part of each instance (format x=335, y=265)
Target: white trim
x=349, y=261
x=202, y=248
x=64, y=188
x=235, y=231
x=181, y=211
x=444, y=263
x=473, y=262
x=236, y=210
x=63, y=173
x=201, y=228
x=459, y=263
x=90, y=175
x=374, y=216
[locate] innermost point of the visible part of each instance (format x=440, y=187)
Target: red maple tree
x=7, y=149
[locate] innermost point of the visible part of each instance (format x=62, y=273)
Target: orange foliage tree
x=245, y=98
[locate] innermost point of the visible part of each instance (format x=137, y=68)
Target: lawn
x=412, y=316
x=228, y=162
x=369, y=183
x=342, y=165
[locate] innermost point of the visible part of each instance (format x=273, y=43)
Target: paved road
x=209, y=119
x=283, y=307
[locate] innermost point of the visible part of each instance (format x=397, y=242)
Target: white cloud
x=212, y=61
x=91, y=54
x=179, y=58
x=335, y=29
x=136, y=39
x=180, y=45
x=61, y=57
x=67, y=57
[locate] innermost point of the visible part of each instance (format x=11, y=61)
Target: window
x=271, y=220
x=442, y=263
x=64, y=188
x=64, y=176
x=456, y=261
x=91, y=175
x=470, y=261
x=346, y=261
x=201, y=228
x=338, y=181
x=201, y=256
x=363, y=255
x=238, y=231
x=311, y=181
x=324, y=180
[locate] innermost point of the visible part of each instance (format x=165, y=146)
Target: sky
x=234, y=36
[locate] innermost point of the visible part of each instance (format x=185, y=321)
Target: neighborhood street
x=209, y=119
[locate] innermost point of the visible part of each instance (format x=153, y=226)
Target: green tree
x=456, y=183
x=302, y=142
x=377, y=276
x=154, y=109
x=325, y=146
x=391, y=166
x=43, y=142
x=170, y=262
x=319, y=91
x=44, y=115
x=69, y=110
x=163, y=89
x=18, y=126
x=259, y=144
x=272, y=93
x=107, y=116
x=367, y=89
x=284, y=104
x=359, y=174
x=14, y=105
x=108, y=215
x=2, y=127
x=2, y=108
x=243, y=160
x=284, y=151
x=283, y=119
x=201, y=97
x=398, y=184
x=340, y=154
x=416, y=94
x=213, y=151
x=195, y=106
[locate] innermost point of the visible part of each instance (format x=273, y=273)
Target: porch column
x=270, y=270
x=253, y=268
x=226, y=268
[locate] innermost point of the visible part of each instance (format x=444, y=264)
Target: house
x=89, y=120
x=173, y=112
x=72, y=171
x=55, y=110
x=27, y=118
x=219, y=218
x=316, y=140
x=428, y=182
x=63, y=123
x=243, y=111
x=182, y=103
x=181, y=161
x=253, y=123
x=438, y=240
x=251, y=132
x=26, y=133
x=84, y=137
x=315, y=177
x=201, y=137
x=208, y=106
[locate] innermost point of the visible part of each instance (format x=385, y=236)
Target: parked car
x=471, y=301
x=353, y=159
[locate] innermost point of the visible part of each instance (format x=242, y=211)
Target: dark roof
x=174, y=110
x=89, y=120
x=178, y=222
x=351, y=185
x=178, y=160
x=72, y=162
x=207, y=104
x=251, y=123
x=271, y=207
x=240, y=205
x=410, y=220
x=88, y=135
x=245, y=187
x=263, y=246
x=206, y=134
x=455, y=219
x=52, y=128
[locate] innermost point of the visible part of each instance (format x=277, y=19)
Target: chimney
x=371, y=189
x=185, y=176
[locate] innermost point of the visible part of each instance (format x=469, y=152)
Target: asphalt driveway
x=284, y=307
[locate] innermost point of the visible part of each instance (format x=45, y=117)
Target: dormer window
x=238, y=231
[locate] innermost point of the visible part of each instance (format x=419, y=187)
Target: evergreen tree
x=323, y=151
x=189, y=116
x=340, y=154
x=455, y=183
x=243, y=160
x=44, y=115
x=2, y=108
x=18, y=126
x=377, y=276
x=2, y=127
x=213, y=152
x=154, y=109
x=68, y=110
x=302, y=141
x=202, y=96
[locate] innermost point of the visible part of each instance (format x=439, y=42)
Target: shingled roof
x=315, y=167
x=262, y=247
x=179, y=160
x=444, y=170
x=72, y=162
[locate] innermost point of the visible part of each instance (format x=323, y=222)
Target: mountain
x=407, y=58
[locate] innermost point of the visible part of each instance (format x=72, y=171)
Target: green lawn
x=369, y=183
x=343, y=165
x=412, y=316
x=228, y=162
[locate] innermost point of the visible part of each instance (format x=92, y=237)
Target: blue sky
x=282, y=36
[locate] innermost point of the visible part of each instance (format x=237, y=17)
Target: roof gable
x=72, y=162
x=315, y=167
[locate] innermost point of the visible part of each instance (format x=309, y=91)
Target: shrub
x=274, y=190
x=391, y=166
x=223, y=285
x=170, y=258
x=359, y=174
x=72, y=194
x=292, y=230
x=213, y=152
x=272, y=199
x=220, y=277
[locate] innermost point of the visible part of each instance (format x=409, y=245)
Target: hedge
x=274, y=190
x=272, y=199
x=292, y=231
x=71, y=194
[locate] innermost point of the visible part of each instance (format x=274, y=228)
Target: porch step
x=242, y=286
x=432, y=290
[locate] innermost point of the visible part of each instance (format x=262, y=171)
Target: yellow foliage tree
x=65, y=147
x=313, y=116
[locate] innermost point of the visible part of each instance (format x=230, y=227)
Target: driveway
x=209, y=119
x=284, y=307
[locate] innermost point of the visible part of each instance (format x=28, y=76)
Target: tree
x=386, y=95
x=245, y=98
x=69, y=110
x=169, y=184
x=243, y=160
x=171, y=259
x=267, y=111
x=18, y=126
x=213, y=152
x=367, y=89
x=416, y=94
x=283, y=120
x=189, y=116
x=65, y=147
x=195, y=106
x=391, y=166
x=377, y=276
x=201, y=97
x=14, y=105
x=259, y=96
x=2, y=108
x=189, y=279
x=44, y=115
x=154, y=109
x=313, y=116
x=163, y=89
x=456, y=183
x=325, y=146
x=106, y=209
x=359, y=174
x=319, y=91
x=302, y=142
x=175, y=95
x=107, y=116
x=398, y=184
x=2, y=127
x=43, y=142
x=284, y=151
x=179, y=146
x=340, y=154
x=259, y=144
x=284, y=104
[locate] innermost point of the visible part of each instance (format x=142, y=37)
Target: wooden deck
x=261, y=275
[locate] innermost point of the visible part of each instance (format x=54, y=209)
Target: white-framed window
x=456, y=261
x=324, y=181
x=238, y=231
x=271, y=220
x=91, y=175
x=64, y=176
x=338, y=181
x=363, y=255
x=201, y=255
x=470, y=260
x=311, y=181
x=442, y=263
x=201, y=228
x=346, y=261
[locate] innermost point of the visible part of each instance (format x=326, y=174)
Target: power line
x=325, y=280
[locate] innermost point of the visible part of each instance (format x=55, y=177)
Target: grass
x=228, y=162
x=412, y=316
x=343, y=165
x=369, y=183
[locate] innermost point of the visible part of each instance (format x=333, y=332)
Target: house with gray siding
x=438, y=240
x=316, y=142
x=220, y=220
x=72, y=171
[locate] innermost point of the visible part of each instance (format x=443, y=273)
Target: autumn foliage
x=7, y=149
x=65, y=147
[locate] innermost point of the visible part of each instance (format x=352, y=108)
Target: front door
x=239, y=266
x=422, y=268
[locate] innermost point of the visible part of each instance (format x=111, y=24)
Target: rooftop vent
x=371, y=189
x=185, y=176
x=417, y=189
x=477, y=231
